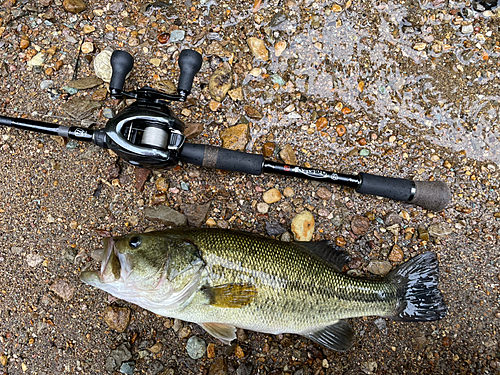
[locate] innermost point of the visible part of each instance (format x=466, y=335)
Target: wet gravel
x=403, y=89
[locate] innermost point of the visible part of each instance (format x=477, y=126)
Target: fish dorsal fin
x=338, y=336
x=232, y=295
x=224, y=332
x=328, y=252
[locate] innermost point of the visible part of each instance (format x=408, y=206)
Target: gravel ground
x=403, y=89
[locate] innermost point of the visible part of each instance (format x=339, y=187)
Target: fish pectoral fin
x=231, y=295
x=328, y=252
x=224, y=332
x=338, y=336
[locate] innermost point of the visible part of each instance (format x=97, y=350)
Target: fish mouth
x=111, y=268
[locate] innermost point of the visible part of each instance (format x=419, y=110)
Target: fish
x=225, y=279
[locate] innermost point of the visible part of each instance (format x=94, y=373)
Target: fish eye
x=134, y=242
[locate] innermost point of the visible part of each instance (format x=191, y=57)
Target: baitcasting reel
x=147, y=134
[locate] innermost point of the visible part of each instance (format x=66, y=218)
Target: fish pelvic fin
x=338, y=336
x=419, y=298
x=224, y=332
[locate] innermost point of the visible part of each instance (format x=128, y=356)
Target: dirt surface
x=403, y=89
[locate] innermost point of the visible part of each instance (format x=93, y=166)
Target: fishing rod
x=147, y=134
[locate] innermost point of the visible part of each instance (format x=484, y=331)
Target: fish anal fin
x=232, y=295
x=328, y=252
x=224, y=332
x=338, y=336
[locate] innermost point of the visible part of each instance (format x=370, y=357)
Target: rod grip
x=221, y=158
x=432, y=195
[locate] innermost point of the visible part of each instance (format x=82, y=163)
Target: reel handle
x=122, y=63
x=189, y=63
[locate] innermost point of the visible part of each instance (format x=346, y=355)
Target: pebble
x=245, y=369
x=4, y=360
x=196, y=213
x=25, y=42
x=45, y=84
x=196, y=347
x=155, y=61
x=392, y=218
x=218, y=367
x=161, y=184
x=85, y=83
x=273, y=229
x=276, y=78
x=117, y=357
x=419, y=46
x=127, y=367
x=37, y=60
x=324, y=193
x=193, y=129
x=279, y=48
x=62, y=288
x=360, y=225
x=236, y=94
x=288, y=192
x=341, y=130
x=102, y=65
x=141, y=176
x=235, y=137
x=262, y=208
x=165, y=215
x=211, y=350
x=87, y=47
x=440, y=230
x=287, y=154
x=268, y=149
x=364, y=152
x=108, y=113
x=396, y=254
x=220, y=82
x=117, y=318
x=467, y=29
x=272, y=196
x=177, y=36
x=74, y=6
x=252, y=112
x=379, y=267
x=381, y=325
x=184, y=332
x=369, y=367
x=303, y=226
x=34, y=260
x=258, y=48
x=423, y=234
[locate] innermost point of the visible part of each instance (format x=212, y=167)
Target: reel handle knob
x=189, y=64
x=122, y=63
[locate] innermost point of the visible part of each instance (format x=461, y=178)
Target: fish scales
x=291, y=284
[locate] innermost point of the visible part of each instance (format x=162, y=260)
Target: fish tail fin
x=419, y=298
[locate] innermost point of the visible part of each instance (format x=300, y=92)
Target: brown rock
x=238, y=351
x=268, y=149
x=341, y=130
x=396, y=254
x=141, y=176
x=324, y=193
x=220, y=82
x=85, y=83
x=379, y=267
x=360, y=225
x=303, y=226
x=117, y=318
x=157, y=199
x=196, y=213
x=236, y=94
x=287, y=154
x=235, y=137
x=100, y=94
x=192, y=130
x=74, y=6
x=252, y=112
x=25, y=42
x=211, y=350
x=272, y=196
x=113, y=172
x=161, y=184
x=218, y=367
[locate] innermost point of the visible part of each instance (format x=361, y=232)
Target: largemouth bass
x=222, y=279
